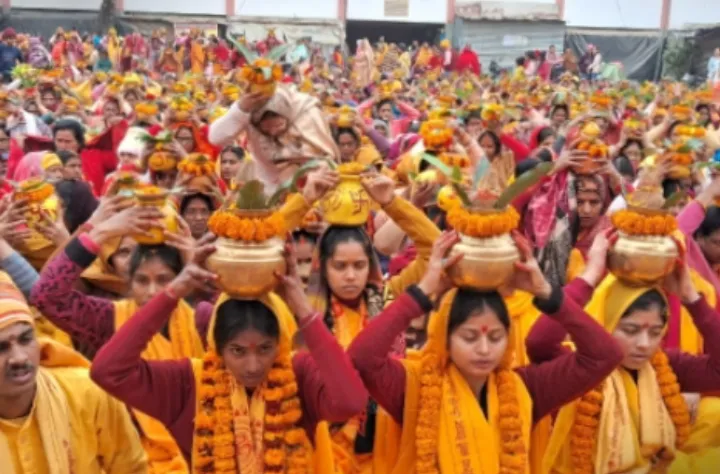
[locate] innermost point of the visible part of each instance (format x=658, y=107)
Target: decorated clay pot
x=157, y=198
x=348, y=204
x=247, y=269
x=642, y=260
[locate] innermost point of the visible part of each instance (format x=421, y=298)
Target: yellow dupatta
x=441, y=409
x=163, y=452
x=239, y=425
x=100, y=273
x=523, y=315
x=634, y=422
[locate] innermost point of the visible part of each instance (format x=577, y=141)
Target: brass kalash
x=645, y=252
x=484, y=223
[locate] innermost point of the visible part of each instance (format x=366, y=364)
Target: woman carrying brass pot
x=456, y=404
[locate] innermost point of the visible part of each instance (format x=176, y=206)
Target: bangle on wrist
x=307, y=320
x=171, y=293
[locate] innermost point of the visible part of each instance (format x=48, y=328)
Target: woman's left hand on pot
x=679, y=282
x=379, y=187
x=291, y=288
x=528, y=276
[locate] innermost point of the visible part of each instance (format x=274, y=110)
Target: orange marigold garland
x=636, y=223
x=583, y=436
x=197, y=165
x=587, y=418
x=483, y=225
x=672, y=396
x=214, y=440
x=426, y=431
x=513, y=452
x=285, y=444
x=34, y=190
x=234, y=224
x=436, y=134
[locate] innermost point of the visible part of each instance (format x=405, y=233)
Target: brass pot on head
x=642, y=260
x=246, y=270
x=487, y=262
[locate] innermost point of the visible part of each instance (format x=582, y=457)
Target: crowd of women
x=389, y=266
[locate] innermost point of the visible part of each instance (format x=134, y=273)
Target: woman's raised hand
x=528, y=276
x=435, y=281
x=679, y=282
x=379, y=187
x=319, y=182
x=194, y=276
x=291, y=288
x=597, y=257
x=134, y=220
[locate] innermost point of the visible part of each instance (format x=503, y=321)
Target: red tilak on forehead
x=253, y=346
x=484, y=329
x=645, y=325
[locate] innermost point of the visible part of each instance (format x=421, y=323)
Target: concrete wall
x=176, y=7
x=57, y=4
x=420, y=11
x=313, y=9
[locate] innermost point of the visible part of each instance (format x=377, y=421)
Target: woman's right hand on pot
x=291, y=288
x=134, y=220
x=435, y=281
x=319, y=182
x=252, y=102
x=109, y=206
x=194, y=277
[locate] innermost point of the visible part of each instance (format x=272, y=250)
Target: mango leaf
x=674, y=199
x=437, y=163
x=266, y=72
x=522, y=183
x=290, y=185
x=279, y=51
x=252, y=196
x=457, y=175
x=480, y=170
x=242, y=49
x=460, y=191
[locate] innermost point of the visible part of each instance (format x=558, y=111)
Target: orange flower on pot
x=436, y=134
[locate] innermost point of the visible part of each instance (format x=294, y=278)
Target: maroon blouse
x=328, y=386
x=550, y=384
x=695, y=374
x=89, y=320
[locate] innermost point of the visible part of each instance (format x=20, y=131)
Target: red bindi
x=253, y=347
x=484, y=329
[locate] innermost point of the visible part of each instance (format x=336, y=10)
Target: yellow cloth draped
x=165, y=456
x=633, y=417
x=113, y=49
x=576, y=265
x=467, y=440
x=523, y=315
x=197, y=58
x=423, y=57
x=249, y=412
x=73, y=426
x=100, y=272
